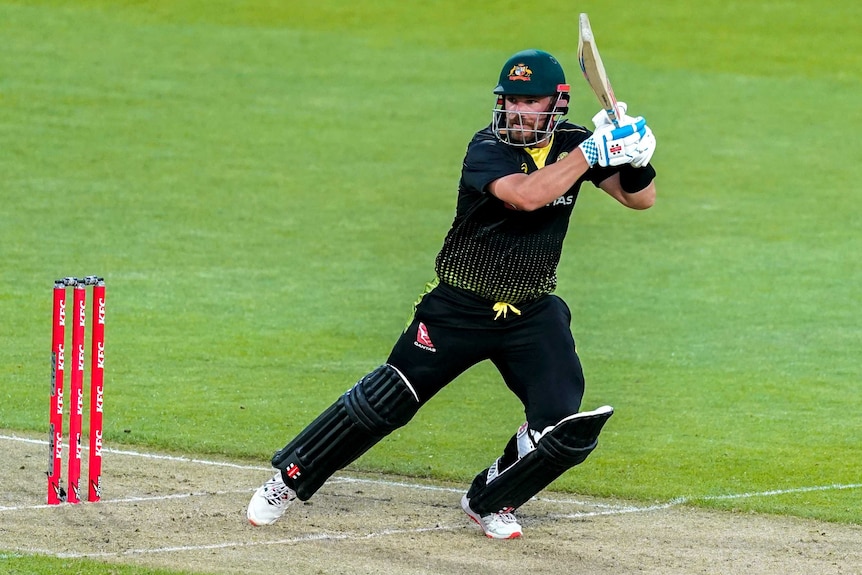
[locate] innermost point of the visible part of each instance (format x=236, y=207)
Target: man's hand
x=645, y=148
x=601, y=118
x=614, y=146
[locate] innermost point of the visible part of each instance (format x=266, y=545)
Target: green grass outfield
x=265, y=185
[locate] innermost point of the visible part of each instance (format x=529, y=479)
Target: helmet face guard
x=530, y=73
x=547, y=121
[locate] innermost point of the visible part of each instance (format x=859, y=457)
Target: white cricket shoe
x=270, y=501
x=501, y=525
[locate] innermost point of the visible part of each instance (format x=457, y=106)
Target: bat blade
x=594, y=69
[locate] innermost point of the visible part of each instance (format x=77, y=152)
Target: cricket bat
x=594, y=70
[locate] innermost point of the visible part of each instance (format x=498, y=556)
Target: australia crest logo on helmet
x=520, y=72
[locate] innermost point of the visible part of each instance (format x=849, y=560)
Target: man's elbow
x=643, y=199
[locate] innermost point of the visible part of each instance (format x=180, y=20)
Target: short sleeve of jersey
x=488, y=160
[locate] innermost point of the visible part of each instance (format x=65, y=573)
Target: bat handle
x=613, y=112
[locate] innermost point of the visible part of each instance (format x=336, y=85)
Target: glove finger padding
x=645, y=149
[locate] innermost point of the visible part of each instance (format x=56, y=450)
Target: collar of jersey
x=540, y=155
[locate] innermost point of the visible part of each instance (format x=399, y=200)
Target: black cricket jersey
x=499, y=253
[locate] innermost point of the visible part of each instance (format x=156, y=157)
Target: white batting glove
x=645, y=149
x=602, y=119
x=614, y=146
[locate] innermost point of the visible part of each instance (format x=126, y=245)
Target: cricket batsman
x=492, y=300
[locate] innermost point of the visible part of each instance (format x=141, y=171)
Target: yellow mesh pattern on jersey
x=500, y=267
x=499, y=254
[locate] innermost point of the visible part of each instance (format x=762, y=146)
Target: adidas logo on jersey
x=423, y=340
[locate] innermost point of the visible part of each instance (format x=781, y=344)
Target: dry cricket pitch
x=185, y=514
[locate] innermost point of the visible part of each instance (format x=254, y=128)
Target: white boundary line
x=610, y=509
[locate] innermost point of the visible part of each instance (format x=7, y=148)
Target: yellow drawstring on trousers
x=503, y=308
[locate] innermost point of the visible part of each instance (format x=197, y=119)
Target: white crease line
x=135, y=499
x=625, y=508
x=834, y=486
x=597, y=504
x=684, y=500
x=212, y=546
x=618, y=511
x=400, y=484
x=187, y=460
x=23, y=439
x=148, y=455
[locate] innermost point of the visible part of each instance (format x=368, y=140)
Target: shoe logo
x=293, y=471
x=423, y=340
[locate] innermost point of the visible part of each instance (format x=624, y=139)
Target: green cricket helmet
x=530, y=73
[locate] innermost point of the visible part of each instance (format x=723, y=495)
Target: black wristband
x=634, y=180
